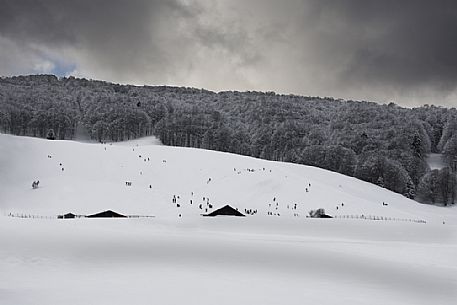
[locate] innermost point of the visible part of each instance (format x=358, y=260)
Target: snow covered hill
x=86, y=178
x=259, y=259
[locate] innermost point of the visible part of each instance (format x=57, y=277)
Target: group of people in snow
x=205, y=205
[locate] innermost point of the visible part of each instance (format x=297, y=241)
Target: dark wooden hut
x=225, y=211
x=67, y=216
x=106, y=214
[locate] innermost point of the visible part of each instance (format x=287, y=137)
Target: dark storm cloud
x=409, y=43
x=61, y=21
x=122, y=36
x=378, y=50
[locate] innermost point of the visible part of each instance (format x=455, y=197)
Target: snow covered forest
x=383, y=144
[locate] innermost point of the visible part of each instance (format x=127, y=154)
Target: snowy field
x=258, y=259
x=225, y=261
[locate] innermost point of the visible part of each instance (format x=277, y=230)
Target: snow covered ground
x=435, y=161
x=86, y=178
x=225, y=261
x=168, y=259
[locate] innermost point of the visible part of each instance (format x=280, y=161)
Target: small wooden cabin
x=225, y=211
x=107, y=214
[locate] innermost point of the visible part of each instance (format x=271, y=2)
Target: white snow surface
x=191, y=259
x=435, y=161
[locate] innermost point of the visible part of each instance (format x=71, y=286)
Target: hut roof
x=68, y=215
x=226, y=211
x=106, y=214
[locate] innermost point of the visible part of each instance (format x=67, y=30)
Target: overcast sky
x=403, y=51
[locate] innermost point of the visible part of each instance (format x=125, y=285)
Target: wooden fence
x=383, y=218
x=31, y=216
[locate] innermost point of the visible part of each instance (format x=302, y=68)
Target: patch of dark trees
x=383, y=144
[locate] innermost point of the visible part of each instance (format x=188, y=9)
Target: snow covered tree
x=427, y=190
x=50, y=135
x=450, y=150
x=438, y=187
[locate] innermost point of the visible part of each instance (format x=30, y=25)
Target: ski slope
x=87, y=178
x=258, y=259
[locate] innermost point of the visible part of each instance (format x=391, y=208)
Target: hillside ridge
x=386, y=145
x=173, y=182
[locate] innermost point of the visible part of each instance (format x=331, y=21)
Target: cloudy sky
x=403, y=51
